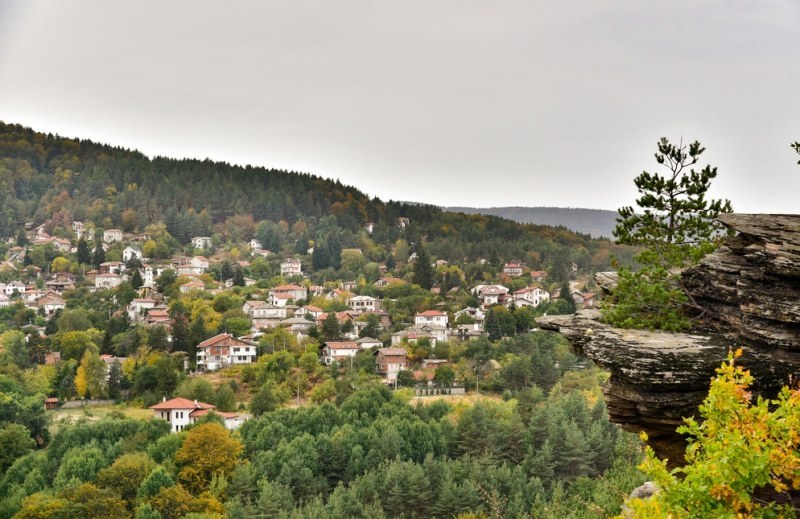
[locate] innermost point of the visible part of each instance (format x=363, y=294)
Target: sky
x=467, y=103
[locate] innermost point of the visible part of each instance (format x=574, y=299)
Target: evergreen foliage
x=676, y=227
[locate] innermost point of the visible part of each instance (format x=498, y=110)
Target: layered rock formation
x=750, y=291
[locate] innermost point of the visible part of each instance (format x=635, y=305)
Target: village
x=341, y=320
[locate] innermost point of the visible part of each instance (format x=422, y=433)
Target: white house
x=180, y=412
x=108, y=280
x=201, y=242
x=339, y=351
x=281, y=294
x=14, y=287
x=224, y=350
x=129, y=253
x=50, y=302
x=112, y=235
x=254, y=244
x=291, y=267
x=361, y=304
x=138, y=307
x=490, y=294
x=533, y=295
x=431, y=317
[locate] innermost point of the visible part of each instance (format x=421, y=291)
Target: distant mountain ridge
x=595, y=222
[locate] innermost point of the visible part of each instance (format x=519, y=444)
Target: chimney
x=163, y=398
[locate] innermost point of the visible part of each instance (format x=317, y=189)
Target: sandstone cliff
x=750, y=291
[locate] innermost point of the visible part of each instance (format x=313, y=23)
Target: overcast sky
x=535, y=103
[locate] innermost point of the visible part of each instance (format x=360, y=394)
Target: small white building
x=254, y=244
x=180, y=412
x=201, y=242
x=533, y=295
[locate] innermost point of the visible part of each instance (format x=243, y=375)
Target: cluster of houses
x=283, y=306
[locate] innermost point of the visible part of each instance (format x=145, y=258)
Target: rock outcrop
x=750, y=292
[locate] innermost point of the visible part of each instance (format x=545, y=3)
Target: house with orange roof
x=431, y=317
x=181, y=412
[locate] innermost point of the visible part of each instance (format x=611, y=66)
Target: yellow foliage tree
x=208, y=450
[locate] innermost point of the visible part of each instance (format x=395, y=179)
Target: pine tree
x=330, y=327
x=238, y=277
x=84, y=254
x=99, y=256
x=675, y=224
x=423, y=271
x=136, y=279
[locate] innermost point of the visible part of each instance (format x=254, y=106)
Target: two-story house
x=361, y=304
x=224, y=350
x=431, y=317
x=389, y=362
x=201, y=242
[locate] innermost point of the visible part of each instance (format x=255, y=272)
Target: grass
x=94, y=413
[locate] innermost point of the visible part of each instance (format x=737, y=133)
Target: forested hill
x=595, y=222
x=55, y=180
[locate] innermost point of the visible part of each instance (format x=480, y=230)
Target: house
x=538, y=276
x=281, y=294
x=4, y=300
x=254, y=244
x=194, y=267
x=389, y=362
x=434, y=363
x=583, y=300
x=224, y=350
x=403, y=222
x=348, y=285
x=471, y=312
x=339, y=351
x=313, y=311
x=513, y=268
x=59, y=285
x=189, y=286
x=14, y=287
x=148, y=276
x=107, y=280
x=298, y=326
x=490, y=294
x=291, y=267
x=265, y=315
x=112, y=235
x=180, y=412
x=50, y=403
x=433, y=332
x=158, y=316
x=384, y=281
x=369, y=227
x=138, y=308
x=130, y=253
x=366, y=343
x=110, y=360
x=431, y=317
x=50, y=302
x=201, y=242
x=534, y=296
x=361, y=304
x=81, y=231
x=112, y=267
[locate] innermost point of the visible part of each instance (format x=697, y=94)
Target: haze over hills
x=595, y=222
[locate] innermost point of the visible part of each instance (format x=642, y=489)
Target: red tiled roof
x=182, y=403
x=431, y=313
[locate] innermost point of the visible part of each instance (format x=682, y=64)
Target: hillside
x=594, y=222
x=53, y=180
